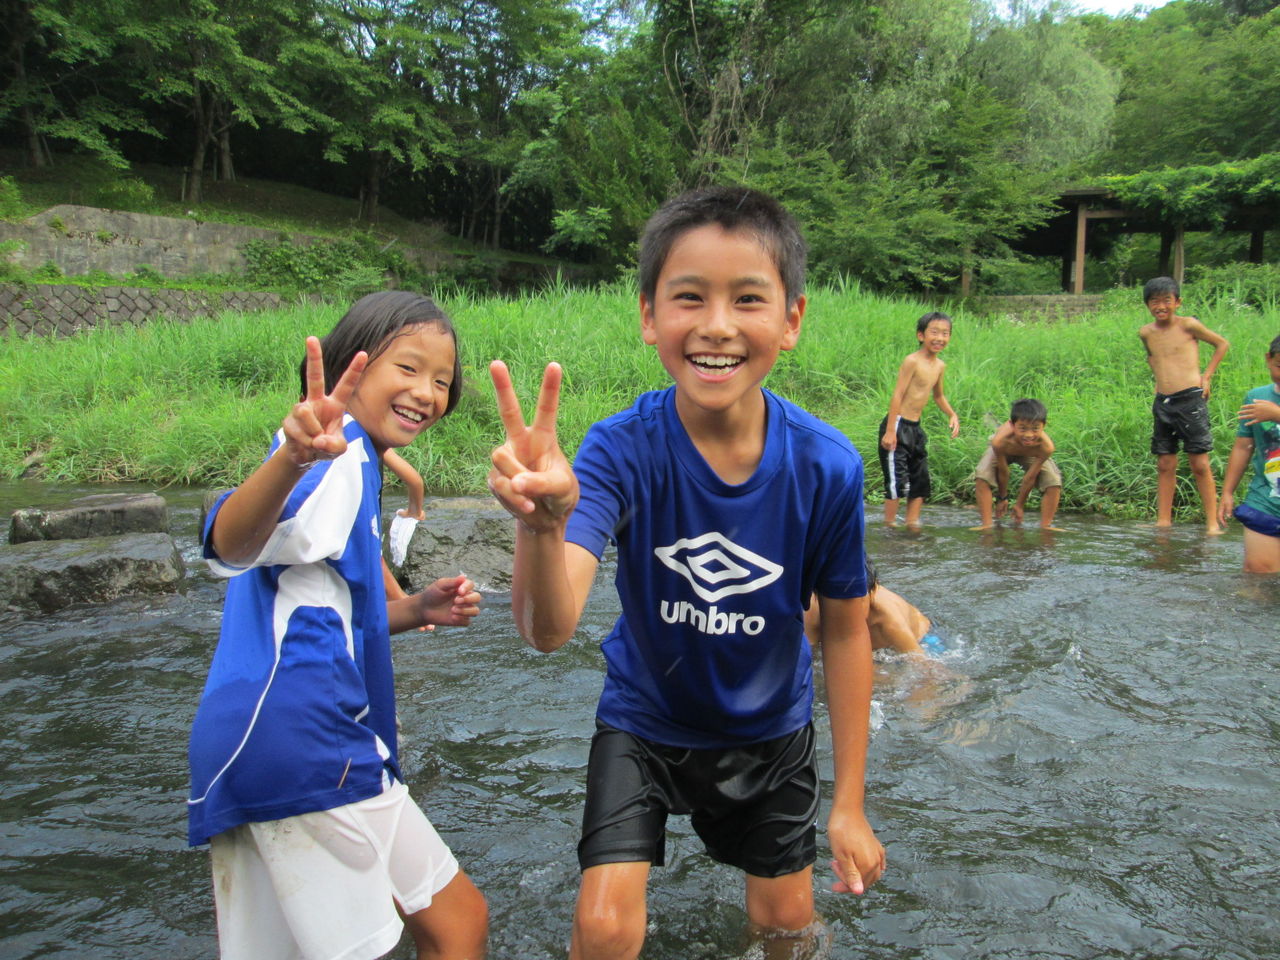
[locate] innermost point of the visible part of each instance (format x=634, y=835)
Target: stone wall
x=62, y=309
x=79, y=239
x=1064, y=306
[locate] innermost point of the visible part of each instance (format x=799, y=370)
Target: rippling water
x=1091, y=774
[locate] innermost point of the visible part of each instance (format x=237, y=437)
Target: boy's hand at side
x=890, y=440
x=859, y=856
x=955, y=426
x=313, y=428
x=531, y=477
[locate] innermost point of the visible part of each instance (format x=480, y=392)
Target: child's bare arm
x=846, y=658
x=449, y=602
x=532, y=479
x=905, y=372
x=312, y=431
x=940, y=399
x=412, y=481
x=1220, y=348
x=1237, y=464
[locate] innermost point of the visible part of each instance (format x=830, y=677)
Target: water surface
x=1092, y=775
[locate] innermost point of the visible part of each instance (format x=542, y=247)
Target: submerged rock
x=467, y=535
x=97, y=515
x=50, y=575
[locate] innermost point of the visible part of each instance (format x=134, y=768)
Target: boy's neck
x=730, y=441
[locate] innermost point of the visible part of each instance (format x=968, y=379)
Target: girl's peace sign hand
x=313, y=428
x=531, y=476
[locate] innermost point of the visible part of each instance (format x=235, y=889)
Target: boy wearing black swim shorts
x=904, y=459
x=729, y=507
x=1180, y=410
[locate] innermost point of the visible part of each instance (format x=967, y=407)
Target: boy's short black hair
x=1158, y=287
x=873, y=579
x=1274, y=348
x=371, y=324
x=1029, y=409
x=733, y=208
x=923, y=323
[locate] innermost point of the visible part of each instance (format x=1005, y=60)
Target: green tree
x=64, y=76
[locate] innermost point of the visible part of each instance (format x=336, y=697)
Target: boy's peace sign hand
x=313, y=428
x=531, y=476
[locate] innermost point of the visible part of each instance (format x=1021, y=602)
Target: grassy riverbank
x=195, y=403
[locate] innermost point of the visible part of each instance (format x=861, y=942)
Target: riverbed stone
x=51, y=574
x=467, y=535
x=97, y=515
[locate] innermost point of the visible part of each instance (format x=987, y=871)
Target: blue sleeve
x=841, y=563
x=594, y=520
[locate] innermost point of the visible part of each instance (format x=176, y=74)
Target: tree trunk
x=226, y=166
x=35, y=149
x=372, y=187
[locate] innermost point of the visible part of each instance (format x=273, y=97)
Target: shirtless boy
x=1180, y=411
x=893, y=622
x=1021, y=440
x=903, y=457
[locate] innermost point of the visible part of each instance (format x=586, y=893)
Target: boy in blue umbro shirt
x=730, y=507
x=1257, y=440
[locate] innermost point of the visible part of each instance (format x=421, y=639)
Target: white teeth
x=715, y=360
x=409, y=414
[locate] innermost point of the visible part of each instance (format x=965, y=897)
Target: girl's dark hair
x=1274, y=348
x=731, y=208
x=873, y=577
x=372, y=323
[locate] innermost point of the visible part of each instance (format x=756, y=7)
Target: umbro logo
x=716, y=567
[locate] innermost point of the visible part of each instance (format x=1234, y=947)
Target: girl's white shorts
x=325, y=885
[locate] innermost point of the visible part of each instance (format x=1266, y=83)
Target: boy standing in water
x=1258, y=438
x=1020, y=440
x=903, y=457
x=729, y=506
x=1180, y=412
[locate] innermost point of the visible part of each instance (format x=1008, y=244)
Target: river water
x=1089, y=769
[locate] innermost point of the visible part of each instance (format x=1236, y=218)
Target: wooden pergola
x=1067, y=234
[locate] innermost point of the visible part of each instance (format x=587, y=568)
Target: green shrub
x=1251, y=284
x=48, y=272
x=145, y=275
x=354, y=264
x=10, y=199
x=126, y=193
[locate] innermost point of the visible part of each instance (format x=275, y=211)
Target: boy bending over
x=729, y=506
x=1180, y=412
x=1258, y=438
x=1020, y=440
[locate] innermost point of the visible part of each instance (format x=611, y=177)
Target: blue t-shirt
x=1264, y=485
x=298, y=713
x=709, y=651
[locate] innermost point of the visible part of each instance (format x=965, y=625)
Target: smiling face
x=405, y=389
x=719, y=317
x=1028, y=433
x=935, y=336
x=1164, y=306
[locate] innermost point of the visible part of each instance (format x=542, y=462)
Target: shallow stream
x=1092, y=773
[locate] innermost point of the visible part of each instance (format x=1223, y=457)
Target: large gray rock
x=97, y=515
x=52, y=574
x=461, y=535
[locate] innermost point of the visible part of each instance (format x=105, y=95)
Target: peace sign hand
x=531, y=477
x=313, y=428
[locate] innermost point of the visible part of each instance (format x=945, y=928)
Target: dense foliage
x=916, y=137
x=210, y=392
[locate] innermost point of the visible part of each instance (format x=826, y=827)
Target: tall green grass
x=195, y=403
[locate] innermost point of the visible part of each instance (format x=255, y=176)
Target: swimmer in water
x=894, y=623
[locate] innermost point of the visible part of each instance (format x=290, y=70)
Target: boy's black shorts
x=906, y=467
x=754, y=807
x=1181, y=416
